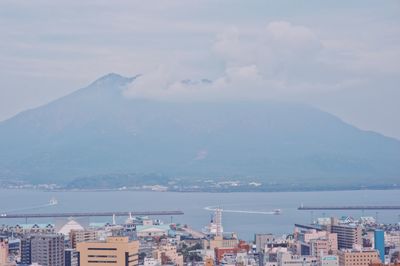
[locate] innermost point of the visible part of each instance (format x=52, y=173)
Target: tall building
x=71, y=257
x=115, y=250
x=3, y=251
x=379, y=243
x=76, y=236
x=47, y=249
x=26, y=258
x=215, y=227
x=347, y=236
x=218, y=221
x=357, y=257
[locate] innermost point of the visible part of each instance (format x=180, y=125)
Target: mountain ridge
x=97, y=131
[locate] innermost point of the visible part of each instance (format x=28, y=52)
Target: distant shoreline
x=204, y=191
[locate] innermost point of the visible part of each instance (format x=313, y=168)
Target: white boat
x=53, y=201
x=277, y=211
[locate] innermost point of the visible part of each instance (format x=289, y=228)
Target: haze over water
x=193, y=205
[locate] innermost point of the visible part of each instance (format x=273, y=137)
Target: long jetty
x=88, y=214
x=358, y=207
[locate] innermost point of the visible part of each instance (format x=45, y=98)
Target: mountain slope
x=97, y=131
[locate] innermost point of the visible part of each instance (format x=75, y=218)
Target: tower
x=379, y=243
x=218, y=221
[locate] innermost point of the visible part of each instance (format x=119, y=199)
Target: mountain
x=96, y=131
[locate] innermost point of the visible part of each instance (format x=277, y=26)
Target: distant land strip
x=361, y=207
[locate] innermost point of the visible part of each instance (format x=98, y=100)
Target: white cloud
x=278, y=61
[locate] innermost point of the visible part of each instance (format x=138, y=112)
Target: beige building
x=113, y=251
x=392, y=238
x=221, y=242
x=357, y=257
x=287, y=259
x=324, y=246
x=77, y=236
x=167, y=253
x=319, y=243
x=3, y=252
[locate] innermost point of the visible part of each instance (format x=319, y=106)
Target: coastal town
x=141, y=240
x=199, y=133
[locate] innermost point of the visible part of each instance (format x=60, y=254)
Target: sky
x=340, y=56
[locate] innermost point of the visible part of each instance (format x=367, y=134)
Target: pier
x=88, y=214
x=359, y=207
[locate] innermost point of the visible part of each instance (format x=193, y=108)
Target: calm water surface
x=193, y=204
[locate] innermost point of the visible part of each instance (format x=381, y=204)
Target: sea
x=249, y=212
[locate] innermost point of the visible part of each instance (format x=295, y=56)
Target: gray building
x=47, y=249
x=71, y=257
x=262, y=240
x=26, y=250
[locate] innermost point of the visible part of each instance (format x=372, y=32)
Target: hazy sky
x=340, y=56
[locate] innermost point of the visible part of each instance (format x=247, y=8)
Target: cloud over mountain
x=279, y=61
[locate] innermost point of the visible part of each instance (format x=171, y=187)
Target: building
x=47, y=249
x=215, y=227
x=263, y=240
x=348, y=236
x=379, y=243
x=330, y=260
x=168, y=254
x=358, y=257
x=392, y=238
x=221, y=252
x=35, y=229
x=152, y=230
x=324, y=246
x=3, y=251
x=71, y=257
x=26, y=258
x=226, y=241
x=151, y=262
x=69, y=226
x=76, y=236
x=288, y=259
x=317, y=243
x=114, y=250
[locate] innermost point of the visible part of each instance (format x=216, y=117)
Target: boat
x=53, y=201
x=277, y=211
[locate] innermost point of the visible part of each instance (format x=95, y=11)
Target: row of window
x=102, y=261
